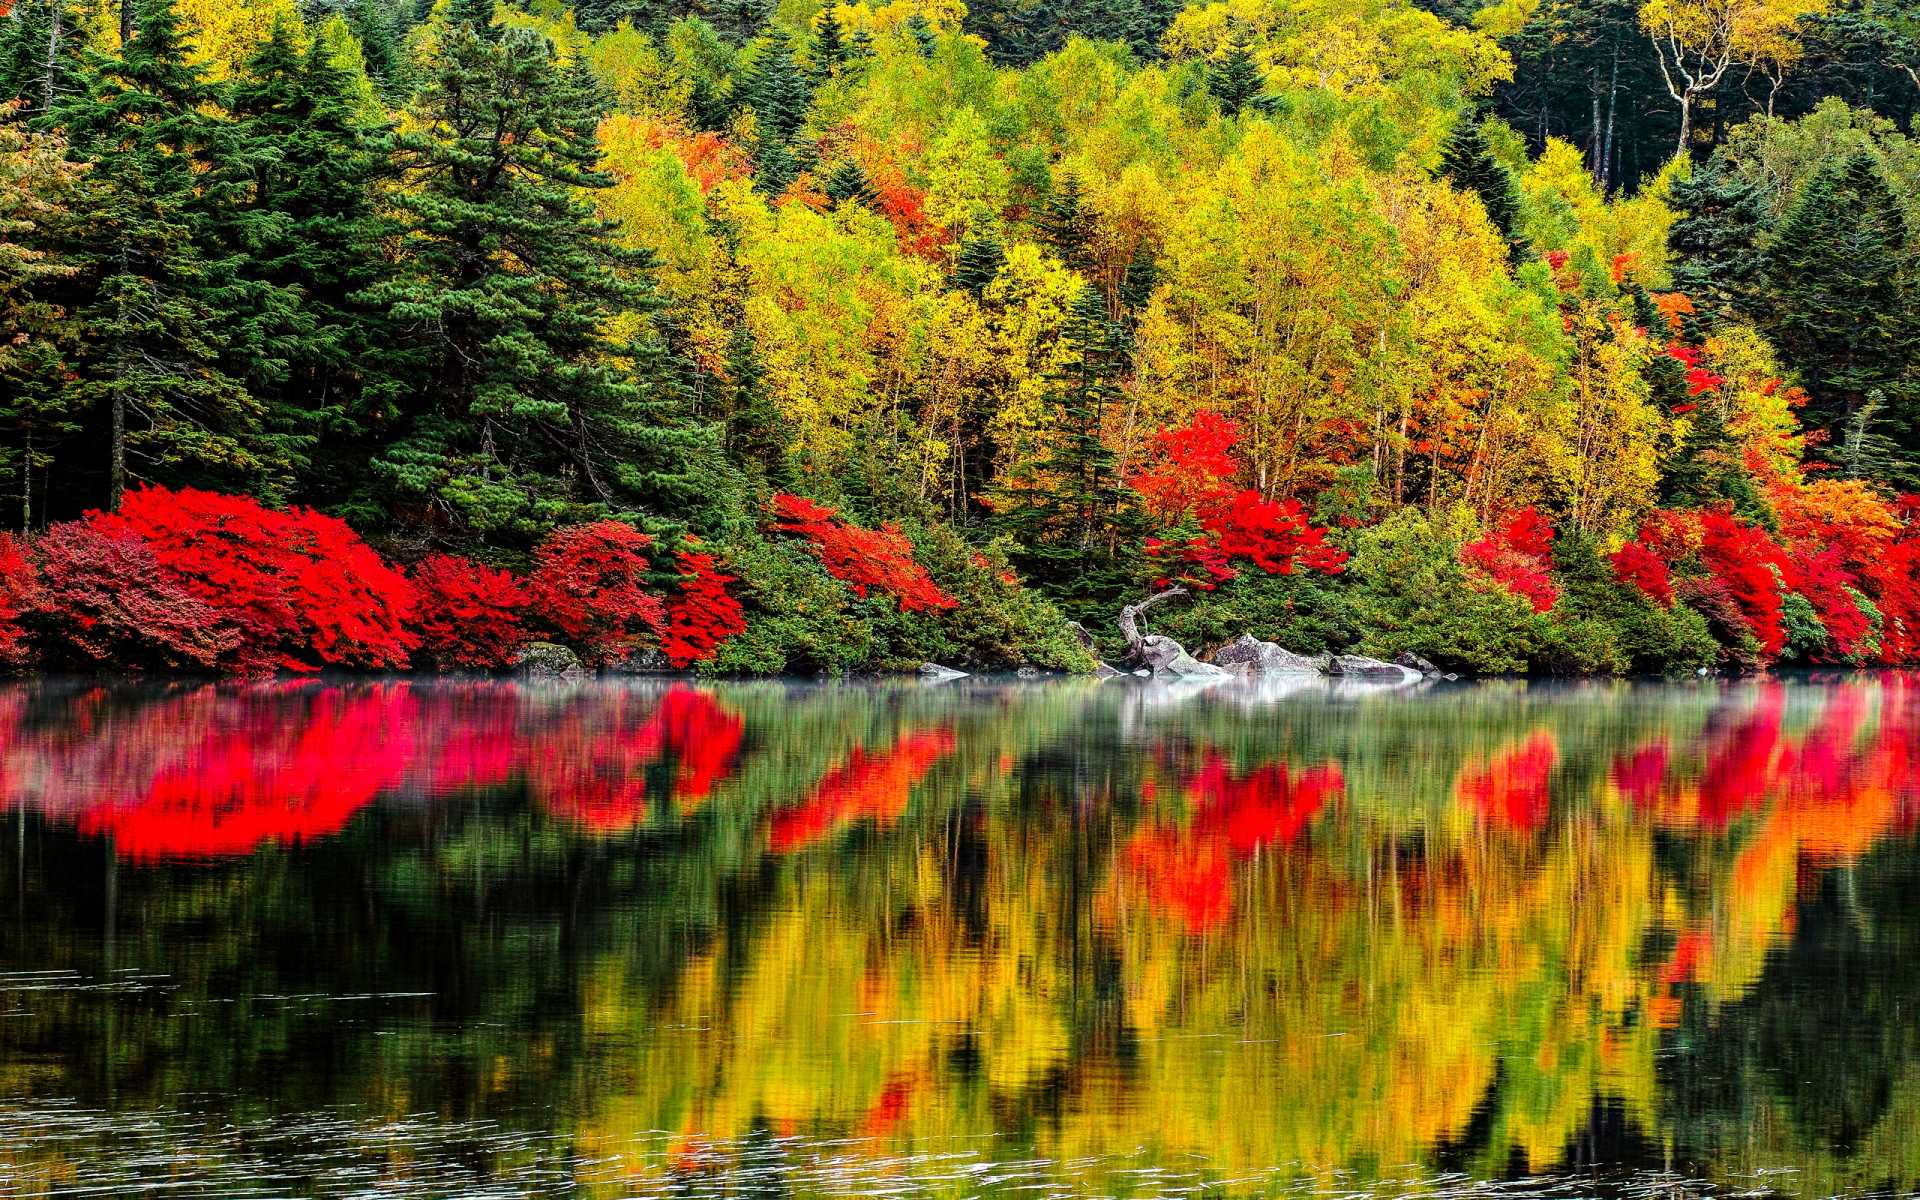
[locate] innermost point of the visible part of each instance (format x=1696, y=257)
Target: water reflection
x=657, y=937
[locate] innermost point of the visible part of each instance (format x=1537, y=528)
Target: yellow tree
x=1699, y=40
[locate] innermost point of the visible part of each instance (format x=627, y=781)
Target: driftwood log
x=1162, y=655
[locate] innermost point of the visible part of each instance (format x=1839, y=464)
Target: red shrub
x=1752, y=567
x=19, y=594
x=863, y=558
x=1274, y=535
x=703, y=615
x=111, y=601
x=1635, y=564
x=302, y=588
x=468, y=613
x=588, y=584
x=1517, y=554
x=1189, y=466
x=1819, y=573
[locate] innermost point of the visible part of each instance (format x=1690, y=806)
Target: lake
x=380, y=937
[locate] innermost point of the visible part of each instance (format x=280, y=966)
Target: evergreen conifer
x=847, y=183
x=978, y=263
x=1467, y=161
x=1067, y=508
x=1236, y=79
x=1715, y=239
x=148, y=121
x=529, y=413
x=1068, y=226
x=1838, y=306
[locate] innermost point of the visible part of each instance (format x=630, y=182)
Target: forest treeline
x=1544, y=336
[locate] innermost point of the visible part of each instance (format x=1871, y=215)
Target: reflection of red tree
x=1189, y=868
x=595, y=775
x=237, y=786
x=1512, y=789
x=219, y=771
x=863, y=786
x=891, y=1106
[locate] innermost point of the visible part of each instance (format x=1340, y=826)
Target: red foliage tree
x=1635, y=564
x=703, y=615
x=1189, y=466
x=862, y=558
x=1819, y=573
x=301, y=587
x=468, y=614
x=1753, y=568
x=109, y=600
x=1517, y=554
x=19, y=594
x=589, y=583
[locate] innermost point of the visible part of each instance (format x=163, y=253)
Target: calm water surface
x=394, y=938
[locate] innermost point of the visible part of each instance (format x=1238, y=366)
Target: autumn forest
x=1547, y=336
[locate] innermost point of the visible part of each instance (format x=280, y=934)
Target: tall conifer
x=530, y=412
x=148, y=120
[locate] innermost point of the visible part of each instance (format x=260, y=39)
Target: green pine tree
x=1837, y=304
x=1236, y=78
x=1467, y=161
x=1715, y=239
x=978, y=264
x=1066, y=508
x=147, y=372
x=925, y=36
x=829, y=49
x=847, y=183
x=41, y=45
x=777, y=91
x=1068, y=225
x=529, y=413
x=307, y=239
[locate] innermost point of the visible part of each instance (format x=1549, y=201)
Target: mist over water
x=478, y=938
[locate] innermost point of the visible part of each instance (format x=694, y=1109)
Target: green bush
x=1410, y=593
x=800, y=618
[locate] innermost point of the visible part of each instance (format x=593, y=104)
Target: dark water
x=479, y=939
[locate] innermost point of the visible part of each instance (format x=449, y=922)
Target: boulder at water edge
x=935, y=673
x=1263, y=658
x=1354, y=666
x=546, y=660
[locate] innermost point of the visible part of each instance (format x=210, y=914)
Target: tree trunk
x=1686, y=122
x=53, y=47
x=1129, y=616
x=117, y=474
x=1613, y=105
x=26, y=490
x=126, y=23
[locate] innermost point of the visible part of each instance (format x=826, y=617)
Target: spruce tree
x=1236, y=79
x=1715, y=239
x=1068, y=226
x=829, y=49
x=147, y=368
x=847, y=183
x=977, y=264
x=41, y=45
x=1467, y=161
x=1066, y=507
x=778, y=93
x=925, y=36
x=303, y=224
x=1837, y=305
x=528, y=413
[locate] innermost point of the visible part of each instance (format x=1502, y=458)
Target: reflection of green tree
x=1822, y=1056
